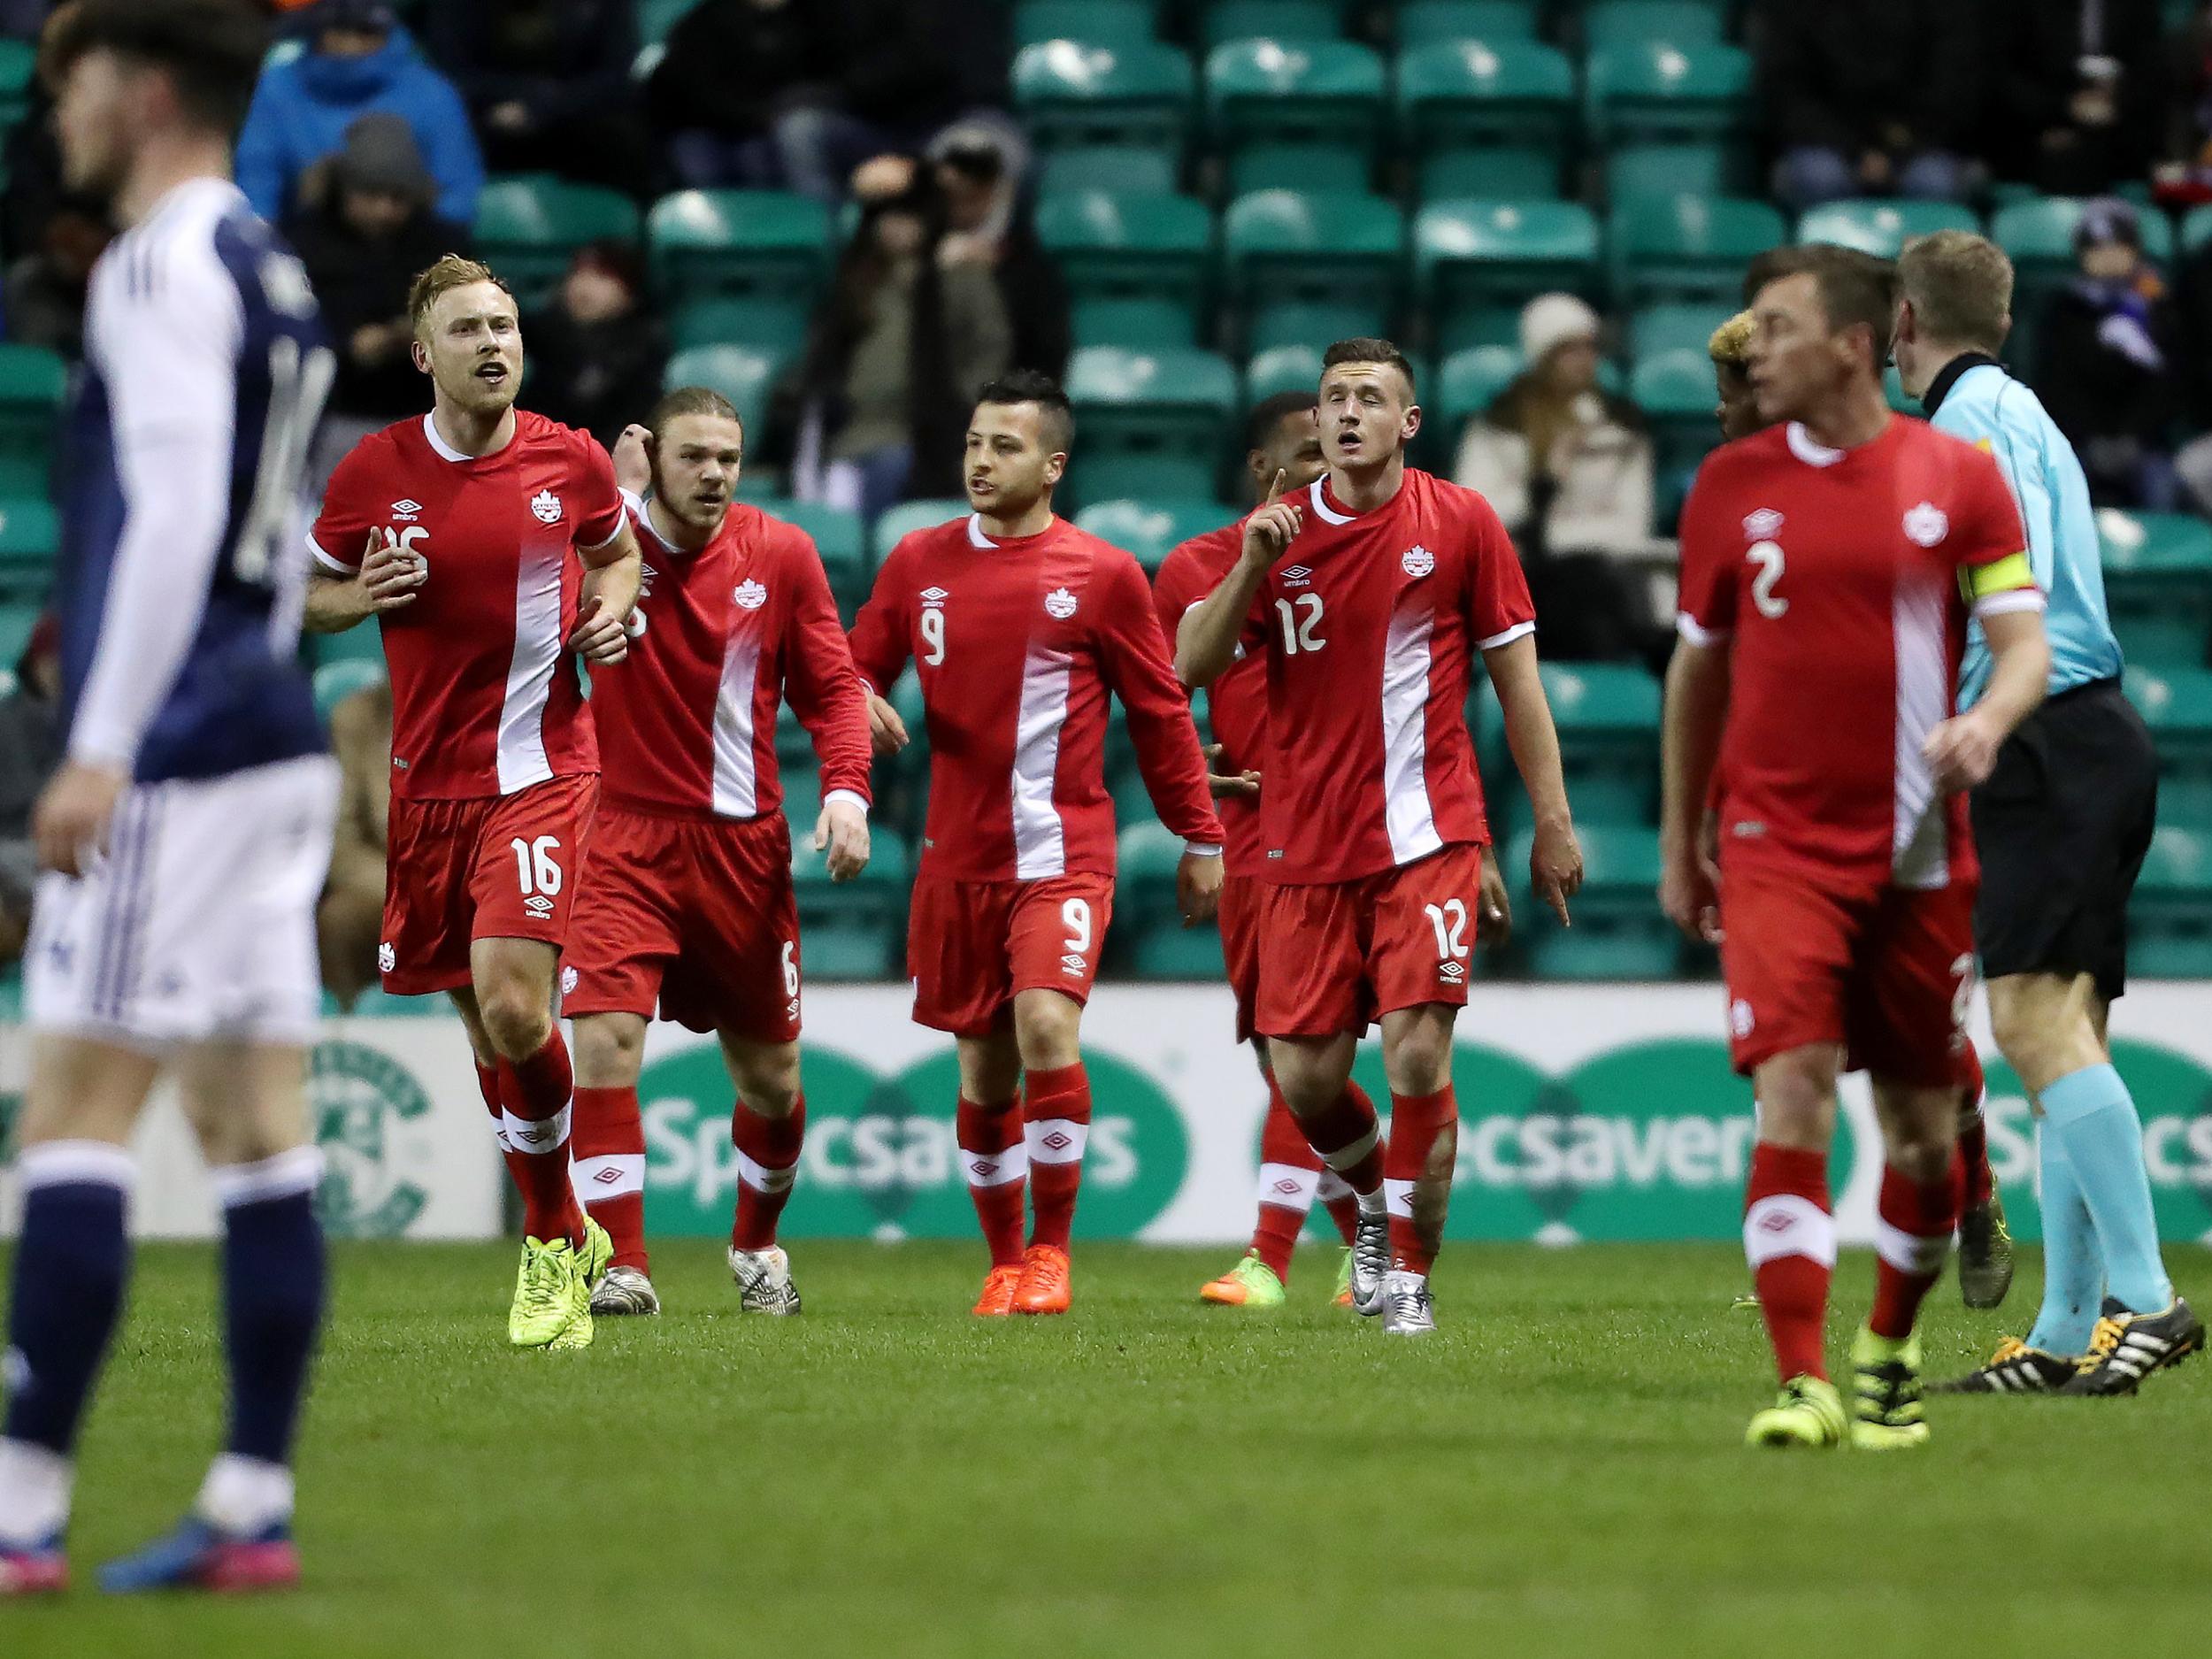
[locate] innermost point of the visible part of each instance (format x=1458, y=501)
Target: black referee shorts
x=2062, y=826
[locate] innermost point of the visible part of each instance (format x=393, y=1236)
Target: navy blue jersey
x=182, y=580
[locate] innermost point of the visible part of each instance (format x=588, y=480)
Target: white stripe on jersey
x=1039, y=847
x=522, y=760
x=1921, y=849
x=1407, y=810
x=736, y=786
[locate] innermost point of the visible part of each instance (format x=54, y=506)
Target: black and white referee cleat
x=2125, y=1347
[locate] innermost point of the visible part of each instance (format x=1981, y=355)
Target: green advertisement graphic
x=363, y=1103
x=880, y=1159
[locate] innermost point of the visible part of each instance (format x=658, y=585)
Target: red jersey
x=1836, y=581
x=1369, y=627
x=1018, y=643
x=1236, y=703
x=485, y=700
x=689, y=717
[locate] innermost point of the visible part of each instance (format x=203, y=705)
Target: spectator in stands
x=1568, y=466
x=30, y=749
x=46, y=288
x=2106, y=366
x=548, y=83
x=978, y=167
x=30, y=167
x=2184, y=178
x=2078, y=85
x=362, y=244
x=349, y=920
x=1877, y=98
x=914, y=327
x=358, y=60
x=721, y=127
x=597, y=354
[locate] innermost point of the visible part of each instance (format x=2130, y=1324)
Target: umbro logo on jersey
x=935, y=598
x=1761, y=526
x=751, y=595
x=406, y=512
x=1927, y=524
x=1419, y=560
x=546, y=507
x=1297, y=576
x=1060, y=602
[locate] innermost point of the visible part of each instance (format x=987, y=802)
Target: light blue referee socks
x=2092, y=1115
x=2073, y=1271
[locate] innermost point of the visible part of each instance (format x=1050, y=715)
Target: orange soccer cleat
x=1044, y=1282
x=997, y=1299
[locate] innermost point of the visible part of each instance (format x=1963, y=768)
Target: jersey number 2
x=1767, y=556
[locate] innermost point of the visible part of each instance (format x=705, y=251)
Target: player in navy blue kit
x=186, y=835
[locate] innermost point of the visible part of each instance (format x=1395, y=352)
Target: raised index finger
x=1275, y=490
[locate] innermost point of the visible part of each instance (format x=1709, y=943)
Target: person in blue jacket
x=358, y=58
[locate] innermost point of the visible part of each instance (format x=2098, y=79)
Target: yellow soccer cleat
x=1251, y=1282
x=552, y=1305
x=1886, y=1405
x=597, y=1253
x=1810, y=1412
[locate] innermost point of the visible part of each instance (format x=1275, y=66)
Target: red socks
x=1290, y=1173
x=1349, y=1137
x=767, y=1161
x=1789, y=1237
x=609, y=1150
x=1911, y=1240
x=488, y=1085
x=996, y=1163
x=537, y=1095
x=1416, y=1122
x=1056, y=1126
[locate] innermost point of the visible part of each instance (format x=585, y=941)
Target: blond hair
x=449, y=273
x=1960, y=285
x=1731, y=344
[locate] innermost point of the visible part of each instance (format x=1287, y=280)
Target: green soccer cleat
x=1251, y=1282
x=1342, y=1298
x=552, y=1305
x=1885, y=1409
x=597, y=1253
x=1984, y=1254
x=1810, y=1413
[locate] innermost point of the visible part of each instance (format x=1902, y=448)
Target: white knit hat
x=1552, y=319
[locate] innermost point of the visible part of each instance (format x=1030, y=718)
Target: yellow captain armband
x=2006, y=575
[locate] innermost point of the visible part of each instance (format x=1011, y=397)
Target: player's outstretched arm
x=1962, y=751
x=1555, y=861
x=1206, y=638
x=388, y=579
x=824, y=691
x=879, y=648
x=613, y=575
x=1696, y=707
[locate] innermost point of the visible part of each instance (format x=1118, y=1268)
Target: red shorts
x=1337, y=956
x=1243, y=898
x=699, y=917
x=485, y=867
x=1886, y=971
x=974, y=946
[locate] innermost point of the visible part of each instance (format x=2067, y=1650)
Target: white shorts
x=198, y=923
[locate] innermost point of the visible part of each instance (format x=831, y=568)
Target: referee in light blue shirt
x=2062, y=824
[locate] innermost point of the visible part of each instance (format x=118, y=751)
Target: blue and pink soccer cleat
x=41, y=1569
x=196, y=1557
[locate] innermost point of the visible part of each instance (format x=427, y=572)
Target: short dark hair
x=1854, y=287
x=1272, y=411
x=1368, y=350
x=1030, y=386
x=692, y=400
x=210, y=49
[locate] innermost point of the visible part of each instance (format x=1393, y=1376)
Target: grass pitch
x=1557, y=1472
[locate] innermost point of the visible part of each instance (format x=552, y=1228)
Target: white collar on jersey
x=446, y=451
x=1805, y=449
x=1328, y=514
x=976, y=538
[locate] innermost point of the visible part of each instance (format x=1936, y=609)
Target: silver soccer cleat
x=625, y=1290
x=1407, y=1310
x=764, y=1281
x=1371, y=1260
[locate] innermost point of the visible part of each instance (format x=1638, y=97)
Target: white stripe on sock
x=243, y=1496
x=283, y=1175
x=615, y=1175
x=34, y=1484
x=1910, y=1252
x=1056, y=1139
x=1398, y=1198
x=535, y=1136
x=1287, y=1187
x=760, y=1178
x=994, y=1169
x=75, y=1163
x=1333, y=1188
x=1784, y=1224
x=1345, y=1158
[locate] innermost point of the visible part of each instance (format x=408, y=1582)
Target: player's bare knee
x=766, y=1076
x=516, y=1019
x=610, y=1050
x=1048, y=1030
x=1797, y=1099
x=1418, y=1057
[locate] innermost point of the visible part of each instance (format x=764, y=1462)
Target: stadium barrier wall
x=1596, y=1112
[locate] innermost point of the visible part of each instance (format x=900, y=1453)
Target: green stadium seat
x=1312, y=244
x=2169, y=921
x=1291, y=368
x=528, y=226
x=1688, y=248
x=1470, y=382
x=1146, y=857
x=362, y=643
x=1111, y=23
x=1139, y=324
x=1883, y=227
x=1619, y=932
x=30, y=539
x=2158, y=585
x=1112, y=245
x=2038, y=235
x=1651, y=22
x=1677, y=393
x=33, y=381
x=1667, y=92
x=1466, y=326
x=1152, y=529
x=1113, y=475
x=1068, y=93
x=2176, y=706
x=767, y=322
x=738, y=242
x=1500, y=173
x=1305, y=322
x=1487, y=252
x=1297, y=167
x=1433, y=22
x=1638, y=173
x=1676, y=327
x=744, y=375
x=335, y=682
x=1122, y=168
x=1607, y=716
x=1146, y=402
x=18, y=618
x=1466, y=93
x=656, y=17
x=1286, y=21
x=1302, y=92
x=837, y=536
x=19, y=64
x=909, y=516
x=2196, y=228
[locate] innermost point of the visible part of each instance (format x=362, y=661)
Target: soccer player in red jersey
x=1829, y=564
x=1368, y=595
x=1020, y=625
x=489, y=545
x=690, y=903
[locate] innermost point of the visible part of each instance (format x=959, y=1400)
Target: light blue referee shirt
x=1974, y=398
